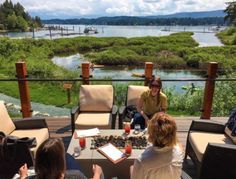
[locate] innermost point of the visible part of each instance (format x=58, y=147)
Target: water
x=116, y=72
x=204, y=35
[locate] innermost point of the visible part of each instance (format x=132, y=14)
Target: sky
x=48, y=9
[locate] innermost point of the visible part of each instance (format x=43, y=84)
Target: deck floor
x=61, y=128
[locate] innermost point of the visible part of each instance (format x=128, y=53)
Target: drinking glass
x=127, y=128
x=137, y=128
x=76, y=151
x=82, y=142
x=128, y=147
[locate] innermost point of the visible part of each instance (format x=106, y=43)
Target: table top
x=88, y=153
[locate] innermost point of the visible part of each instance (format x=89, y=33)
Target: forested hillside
x=13, y=17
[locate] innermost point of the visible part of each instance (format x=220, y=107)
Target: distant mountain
x=185, y=18
x=201, y=14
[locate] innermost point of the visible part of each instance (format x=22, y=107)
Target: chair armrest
x=75, y=109
x=114, y=113
x=30, y=123
x=207, y=126
x=74, y=114
x=218, y=161
x=122, y=111
x=184, y=175
x=114, y=109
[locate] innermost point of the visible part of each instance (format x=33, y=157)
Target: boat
x=191, y=88
x=90, y=30
x=138, y=75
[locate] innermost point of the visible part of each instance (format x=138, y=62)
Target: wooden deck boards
x=61, y=128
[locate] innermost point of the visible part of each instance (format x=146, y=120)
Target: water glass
x=137, y=128
x=76, y=151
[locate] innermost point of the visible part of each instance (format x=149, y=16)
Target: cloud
x=88, y=8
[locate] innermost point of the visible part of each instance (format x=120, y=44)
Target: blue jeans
x=71, y=164
x=138, y=119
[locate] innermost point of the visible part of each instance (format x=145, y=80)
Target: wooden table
x=88, y=157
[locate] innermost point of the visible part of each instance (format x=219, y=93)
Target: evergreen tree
x=14, y=17
x=231, y=13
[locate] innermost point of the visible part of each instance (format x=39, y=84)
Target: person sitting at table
x=164, y=158
x=50, y=163
x=150, y=102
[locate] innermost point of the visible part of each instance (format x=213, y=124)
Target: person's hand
x=23, y=171
x=97, y=171
x=131, y=169
x=144, y=116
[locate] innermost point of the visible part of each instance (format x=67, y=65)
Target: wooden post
x=148, y=72
x=86, y=72
x=33, y=32
x=50, y=32
x=61, y=31
x=209, y=90
x=23, y=89
x=68, y=87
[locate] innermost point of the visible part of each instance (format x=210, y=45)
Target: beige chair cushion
x=40, y=134
x=134, y=93
x=6, y=124
x=200, y=140
x=228, y=132
x=96, y=98
x=91, y=120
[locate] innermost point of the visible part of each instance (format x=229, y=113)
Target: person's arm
x=164, y=104
x=140, y=109
x=136, y=170
x=23, y=171
x=97, y=172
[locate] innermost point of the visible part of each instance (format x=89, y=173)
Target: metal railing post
x=209, y=90
x=21, y=72
x=148, y=72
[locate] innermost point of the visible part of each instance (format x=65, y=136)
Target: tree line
x=128, y=20
x=13, y=17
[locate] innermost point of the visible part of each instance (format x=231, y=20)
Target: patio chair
x=133, y=95
x=27, y=127
x=211, y=150
x=95, y=109
x=12, y=157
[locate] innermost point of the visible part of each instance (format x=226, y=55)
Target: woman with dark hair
x=164, y=158
x=50, y=163
x=150, y=102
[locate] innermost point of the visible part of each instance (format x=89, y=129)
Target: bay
x=204, y=35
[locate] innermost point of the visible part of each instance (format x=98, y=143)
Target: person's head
x=155, y=85
x=50, y=159
x=162, y=130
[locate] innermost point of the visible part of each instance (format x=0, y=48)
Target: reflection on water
x=120, y=72
x=71, y=62
x=204, y=39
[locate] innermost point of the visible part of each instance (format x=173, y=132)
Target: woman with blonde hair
x=162, y=160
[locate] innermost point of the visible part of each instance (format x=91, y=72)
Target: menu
x=87, y=133
x=112, y=153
